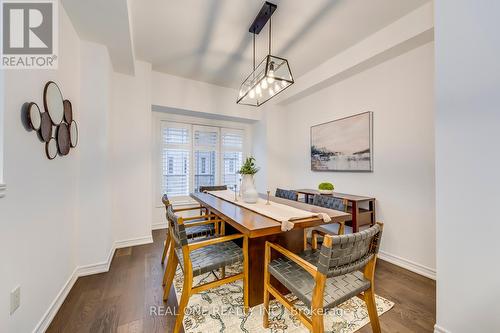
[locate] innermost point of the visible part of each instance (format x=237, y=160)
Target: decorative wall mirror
x=34, y=116
x=55, y=126
x=73, y=134
x=53, y=102
x=68, y=111
x=63, y=143
x=46, y=127
x=51, y=149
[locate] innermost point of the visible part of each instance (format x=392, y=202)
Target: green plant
x=249, y=167
x=326, y=186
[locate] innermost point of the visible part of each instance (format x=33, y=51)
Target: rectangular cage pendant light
x=272, y=75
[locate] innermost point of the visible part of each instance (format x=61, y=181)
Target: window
x=176, y=156
x=232, y=152
x=195, y=156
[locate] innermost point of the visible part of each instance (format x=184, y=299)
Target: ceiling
x=208, y=40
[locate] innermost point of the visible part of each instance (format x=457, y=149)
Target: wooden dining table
x=259, y=229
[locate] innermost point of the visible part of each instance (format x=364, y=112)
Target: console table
x=360, y=215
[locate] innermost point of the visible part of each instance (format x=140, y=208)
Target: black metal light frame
x=254, y=78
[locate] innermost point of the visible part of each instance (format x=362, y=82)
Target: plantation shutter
x=232, y=156
x=176, y=151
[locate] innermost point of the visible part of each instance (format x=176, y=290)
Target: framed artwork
x=344, y=144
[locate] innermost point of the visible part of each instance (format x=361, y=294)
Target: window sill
x=3, y=189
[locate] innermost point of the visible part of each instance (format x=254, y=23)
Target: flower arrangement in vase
x=247, y=172
x=326, y=188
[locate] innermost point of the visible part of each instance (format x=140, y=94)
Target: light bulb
x=251, y=93
x=258, y=90
x=283, y=83
x=271, y=92
x=264, y=84
x=270, y=78
x=276, y=87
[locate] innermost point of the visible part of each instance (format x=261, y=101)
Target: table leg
x=355, y=211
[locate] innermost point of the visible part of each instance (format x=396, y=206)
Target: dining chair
x=286, y=194
x=323, y=279
x=338, y=228
x=199, y=231
x=213, y=188
x=201, y=257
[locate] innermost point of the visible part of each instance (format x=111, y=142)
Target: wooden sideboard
x=361, y=208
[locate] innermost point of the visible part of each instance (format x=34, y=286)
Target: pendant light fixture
x=272, y=75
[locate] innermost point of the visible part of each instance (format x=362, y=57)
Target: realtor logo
x=29, y=34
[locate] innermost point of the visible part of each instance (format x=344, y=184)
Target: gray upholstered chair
x=201, y=257
x=286, y=194
x=323, y=279
x=213, y=188
x=338, y=228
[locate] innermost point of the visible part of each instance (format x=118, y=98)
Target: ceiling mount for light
x=272, y=75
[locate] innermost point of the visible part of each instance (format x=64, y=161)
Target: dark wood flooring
x=121, y=299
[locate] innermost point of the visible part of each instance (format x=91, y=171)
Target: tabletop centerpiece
x=247, y=172
x=326, y=188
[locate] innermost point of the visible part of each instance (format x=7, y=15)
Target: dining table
x=261, y=229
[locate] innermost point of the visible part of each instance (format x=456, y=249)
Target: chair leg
x=267, y=279
x=165, y=248
x=169, y=275
x=265, y=322
x=372, y=310
x=317, y=321
x=186, y=292
x=170, y=258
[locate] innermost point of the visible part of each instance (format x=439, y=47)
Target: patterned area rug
x=221, y=310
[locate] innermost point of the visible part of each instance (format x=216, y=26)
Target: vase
x=248, y=190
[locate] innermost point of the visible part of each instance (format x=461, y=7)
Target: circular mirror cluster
x=56, y=126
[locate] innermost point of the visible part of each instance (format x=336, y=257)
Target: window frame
x=193, y=122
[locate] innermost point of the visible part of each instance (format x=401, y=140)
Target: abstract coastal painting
x=344, y=144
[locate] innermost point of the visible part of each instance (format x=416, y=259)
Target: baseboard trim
x=156, y=226
x=85, y=270
x=439, y=329
x=56, y=303
x=134, y=242
x=408, y=264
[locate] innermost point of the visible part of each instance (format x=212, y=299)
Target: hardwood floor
x=121, y=300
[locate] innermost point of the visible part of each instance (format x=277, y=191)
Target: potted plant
x=248, y=171
x=326, y=188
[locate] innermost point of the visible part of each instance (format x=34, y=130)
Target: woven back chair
x=338, y=228
x=194, y=232
x=213, y=188
x=330, y=202
x=326, y=278
x=200, y=257
x=287, y=194
x=348, y=253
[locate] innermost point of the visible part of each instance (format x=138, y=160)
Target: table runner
x=284, y=214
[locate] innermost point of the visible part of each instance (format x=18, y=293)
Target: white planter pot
x=248, y=190
x=326, y=191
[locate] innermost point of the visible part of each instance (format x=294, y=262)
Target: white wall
x=467, y=165
x=131, y=132
x=63, y=218
x=94, y=191
x=400, y=93
x=180, y=93
x=38, y=214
